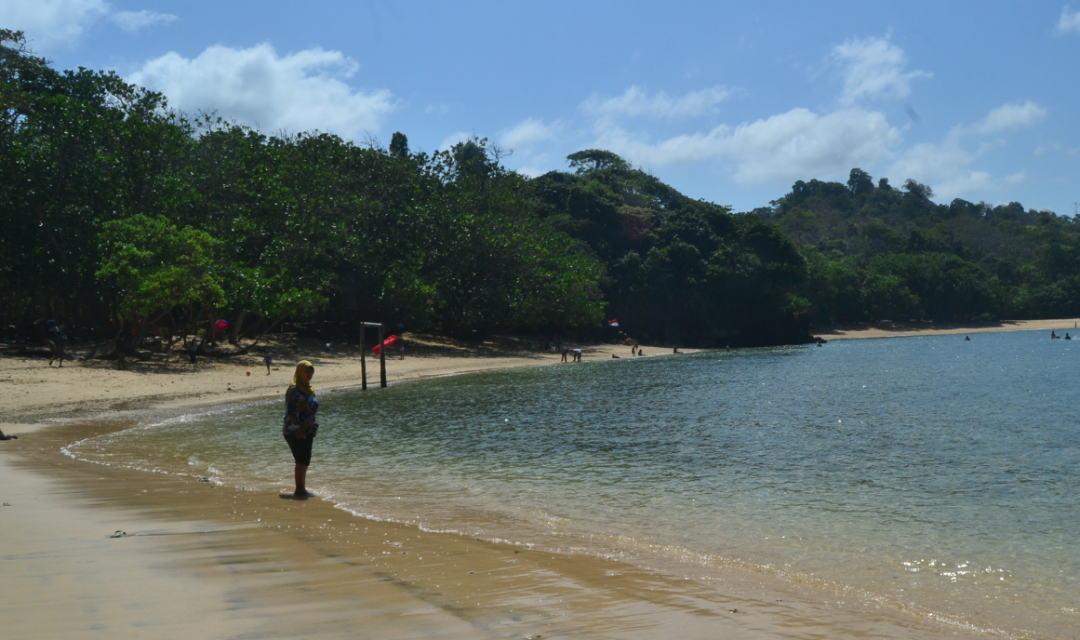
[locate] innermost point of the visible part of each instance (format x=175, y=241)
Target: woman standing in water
x=300, y=426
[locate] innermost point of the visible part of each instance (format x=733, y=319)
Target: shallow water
x=931, y=473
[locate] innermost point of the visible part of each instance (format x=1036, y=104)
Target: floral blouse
x=300, y=411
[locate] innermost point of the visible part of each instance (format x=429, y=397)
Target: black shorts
x=301, y=448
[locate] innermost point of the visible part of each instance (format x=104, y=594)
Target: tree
x=918, y=190
x=399, y=144
x=154, y=267
x=860, y=182
x=596, y=160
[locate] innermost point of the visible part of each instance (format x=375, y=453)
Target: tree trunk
x=211, y=332
x=234, y=334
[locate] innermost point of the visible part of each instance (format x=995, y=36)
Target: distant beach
x=853, y=331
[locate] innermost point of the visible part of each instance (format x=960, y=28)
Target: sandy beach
x=898, y=330
x=194, y=559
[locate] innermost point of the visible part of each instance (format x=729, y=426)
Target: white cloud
x=454, y=138
x=527, y=132
x=132, y=21
x=636, y=102
x=947, y=167
x=798, y=144
x=1069, y=20
x=532, y=171
x=1016, y=178
x=257, y=86
x=801, y=144
x=52, y=24
x=874, y=69
x=1010, y=116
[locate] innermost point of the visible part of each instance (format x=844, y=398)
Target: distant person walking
x=268, y=360
x=58, y=340
x=299, y=425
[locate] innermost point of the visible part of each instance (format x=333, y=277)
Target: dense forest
x=124, y=217
x=116, y=208
x=875, y=252
x=675, y=268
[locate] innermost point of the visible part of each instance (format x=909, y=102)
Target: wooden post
x=363, y=360
x=363, y=355
x=382, y=359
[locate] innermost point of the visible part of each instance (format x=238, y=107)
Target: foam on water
x=931, y=474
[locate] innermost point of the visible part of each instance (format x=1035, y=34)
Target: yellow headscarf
x=299, y=380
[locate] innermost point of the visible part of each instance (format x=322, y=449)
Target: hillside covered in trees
x=875, y=252
x=676, y=268
x=122, y=216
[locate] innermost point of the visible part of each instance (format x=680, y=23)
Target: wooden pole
x=363, y=360
x=382, y=359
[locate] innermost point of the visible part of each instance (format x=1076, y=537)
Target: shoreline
x=858, y=331
x=62, y=512
x=223, y=561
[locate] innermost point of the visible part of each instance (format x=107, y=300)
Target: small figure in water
x=967, y=338
x=1053, y=336
x=1067, y=336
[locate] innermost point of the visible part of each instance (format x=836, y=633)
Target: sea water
x=930, y=473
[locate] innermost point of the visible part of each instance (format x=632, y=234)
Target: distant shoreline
x=856, y=331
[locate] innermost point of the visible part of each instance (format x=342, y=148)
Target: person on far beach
x=268, y=360
x=58, y=340
x=299, y=426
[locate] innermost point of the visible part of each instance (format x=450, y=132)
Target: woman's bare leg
x=301, y=477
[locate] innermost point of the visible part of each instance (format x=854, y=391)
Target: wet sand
x=211, y=561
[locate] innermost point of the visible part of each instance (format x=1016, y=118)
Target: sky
x=729, y=102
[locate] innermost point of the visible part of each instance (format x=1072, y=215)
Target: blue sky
x=729, y=102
